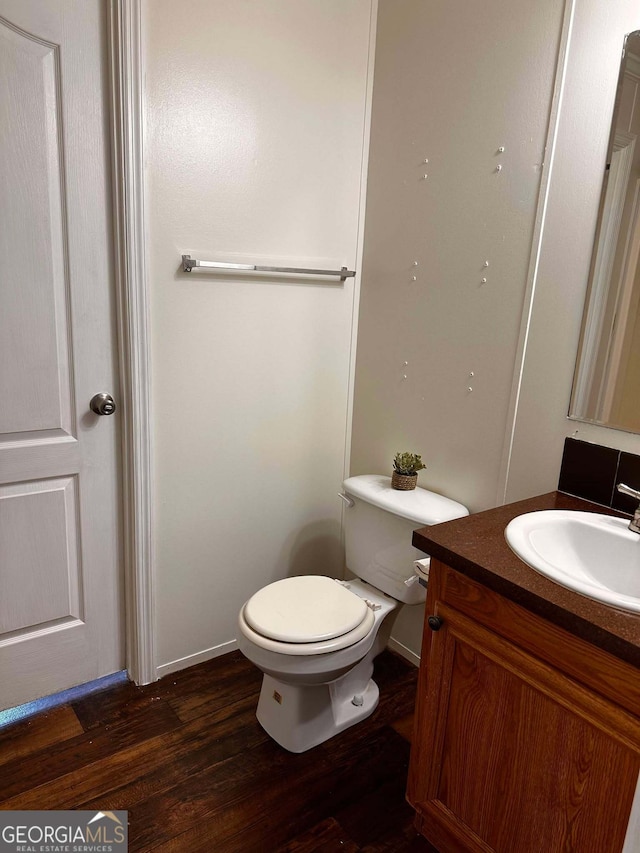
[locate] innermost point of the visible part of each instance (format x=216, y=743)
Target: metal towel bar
x=188, y=263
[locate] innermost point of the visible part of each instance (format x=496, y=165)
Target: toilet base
x=301, y=717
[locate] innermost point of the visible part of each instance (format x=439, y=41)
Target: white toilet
x=315, y=638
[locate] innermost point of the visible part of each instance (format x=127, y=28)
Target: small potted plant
x=405, y=471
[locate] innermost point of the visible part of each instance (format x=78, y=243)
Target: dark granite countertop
x=476, y=547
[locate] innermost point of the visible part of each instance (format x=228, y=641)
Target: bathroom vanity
x=527, y=732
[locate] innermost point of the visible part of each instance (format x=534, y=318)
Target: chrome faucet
x=634, y=524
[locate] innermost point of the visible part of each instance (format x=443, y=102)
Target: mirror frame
x=601, y=339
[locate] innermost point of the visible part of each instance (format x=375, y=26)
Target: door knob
x=102, y=404
x=434, y=622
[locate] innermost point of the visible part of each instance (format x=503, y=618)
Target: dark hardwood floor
x=188, y=760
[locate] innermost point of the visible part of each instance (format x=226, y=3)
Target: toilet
x=315, y=638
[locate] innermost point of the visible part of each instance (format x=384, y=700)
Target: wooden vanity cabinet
x=527, y=738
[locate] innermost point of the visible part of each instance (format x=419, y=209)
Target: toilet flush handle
x=349, y=501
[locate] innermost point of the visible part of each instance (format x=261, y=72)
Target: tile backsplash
x=592, y=472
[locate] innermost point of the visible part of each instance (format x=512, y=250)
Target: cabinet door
x=512, y=756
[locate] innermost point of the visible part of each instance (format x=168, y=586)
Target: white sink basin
x=595, y=555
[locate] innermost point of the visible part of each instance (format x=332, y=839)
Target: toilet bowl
x=316, y=638
x=315, y=689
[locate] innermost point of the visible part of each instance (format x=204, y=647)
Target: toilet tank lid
x=419, y=505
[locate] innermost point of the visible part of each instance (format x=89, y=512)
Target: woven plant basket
x=403, y=482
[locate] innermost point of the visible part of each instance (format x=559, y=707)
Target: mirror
x=607, y=379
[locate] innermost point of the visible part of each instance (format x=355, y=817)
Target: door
x=60, y=586
x=511, y=754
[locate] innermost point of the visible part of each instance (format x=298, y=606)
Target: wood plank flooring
x=188, y=760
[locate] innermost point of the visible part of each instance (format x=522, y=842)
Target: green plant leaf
x=408, y=463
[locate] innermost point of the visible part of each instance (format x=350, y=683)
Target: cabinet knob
x=434, y=622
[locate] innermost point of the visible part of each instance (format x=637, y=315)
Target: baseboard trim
x=199, y=657
x=404, y=652
x=232, y=645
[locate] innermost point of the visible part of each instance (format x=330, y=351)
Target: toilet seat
x=304, y=609
x=307, y=615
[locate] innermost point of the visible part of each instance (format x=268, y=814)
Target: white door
x=60, y=586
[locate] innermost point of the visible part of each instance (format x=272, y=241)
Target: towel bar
x=188, y=263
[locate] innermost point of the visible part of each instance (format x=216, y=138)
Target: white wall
x=453, y=83
x=254, y=143
x=550, y=335
x=256, y=130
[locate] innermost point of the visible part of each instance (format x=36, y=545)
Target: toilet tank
x=378, y=529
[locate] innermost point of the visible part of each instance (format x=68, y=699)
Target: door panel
x=40, y=553
x=34, y=380
x=60, y=583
